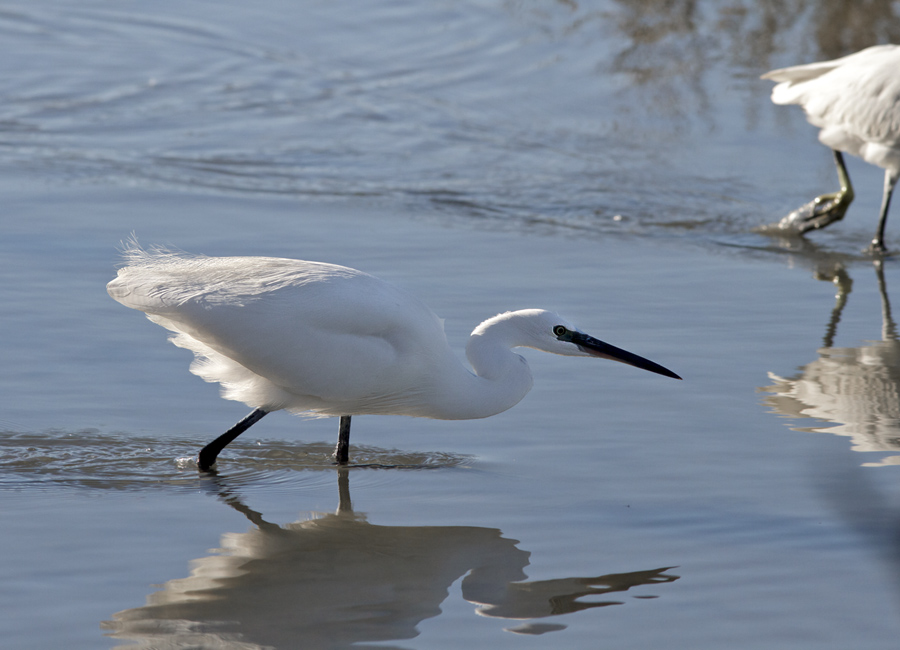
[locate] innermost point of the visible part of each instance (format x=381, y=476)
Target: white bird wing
x=855, y=100
x=799, y=73
x=338, y=336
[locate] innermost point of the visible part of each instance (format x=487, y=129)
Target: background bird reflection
x=855, y=391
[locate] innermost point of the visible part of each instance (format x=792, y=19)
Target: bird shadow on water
x=335, y=580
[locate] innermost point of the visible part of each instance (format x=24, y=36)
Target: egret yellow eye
x=559, y=330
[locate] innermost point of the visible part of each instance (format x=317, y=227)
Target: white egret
x=855, y=101
x=327, y=340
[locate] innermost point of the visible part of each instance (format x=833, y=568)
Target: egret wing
x=319, y=331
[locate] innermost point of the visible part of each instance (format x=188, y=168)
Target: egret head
x=550, y=332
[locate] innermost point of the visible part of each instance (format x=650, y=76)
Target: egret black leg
x=890, y=180
x=342, y=451
x=208, y=454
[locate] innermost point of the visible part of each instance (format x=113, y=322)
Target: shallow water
x=608, y=160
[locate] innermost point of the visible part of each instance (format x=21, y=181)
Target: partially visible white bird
x=855, y=101
x=328, y=340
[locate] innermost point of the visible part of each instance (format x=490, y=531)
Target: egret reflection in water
x=336, y=580
x=854, y=390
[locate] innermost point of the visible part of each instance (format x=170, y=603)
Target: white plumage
x=328, y=340
x=855, y=102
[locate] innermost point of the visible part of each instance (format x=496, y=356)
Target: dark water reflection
x=749, y=33
x=855, y=391
x=336, y=580
x=672, y=50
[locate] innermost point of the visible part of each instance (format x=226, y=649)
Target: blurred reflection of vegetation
x=668, y=48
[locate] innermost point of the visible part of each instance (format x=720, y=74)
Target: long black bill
x=598, y=348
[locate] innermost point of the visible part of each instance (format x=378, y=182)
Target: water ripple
x=88, y=459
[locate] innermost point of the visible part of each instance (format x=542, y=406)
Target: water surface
x=608, y=160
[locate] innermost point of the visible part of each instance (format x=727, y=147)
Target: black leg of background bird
x=342, y=451
x=207, y=456
x=890, y=180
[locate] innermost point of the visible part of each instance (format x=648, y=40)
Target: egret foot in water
x=206, y=460
x=207, y=457
x=890, y=180
x=823, y=210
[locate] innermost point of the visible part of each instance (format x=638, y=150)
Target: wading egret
x=329, y=340
x=855, y=101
